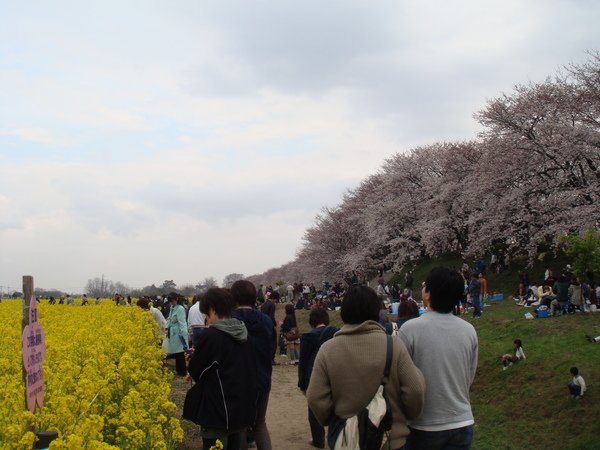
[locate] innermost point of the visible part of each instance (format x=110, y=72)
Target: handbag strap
x=388, y=359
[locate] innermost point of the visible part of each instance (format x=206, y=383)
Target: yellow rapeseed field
x=106, y=386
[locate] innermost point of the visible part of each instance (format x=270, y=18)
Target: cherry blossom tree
x=532, y=176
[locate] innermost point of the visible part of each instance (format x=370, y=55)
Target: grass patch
x=528, y=405
x=506, y=281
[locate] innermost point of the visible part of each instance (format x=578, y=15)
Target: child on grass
x=517, y=355
x=577, y=385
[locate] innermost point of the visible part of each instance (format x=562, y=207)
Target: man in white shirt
x=195, y=321
x=306, y=292
x=160, y=319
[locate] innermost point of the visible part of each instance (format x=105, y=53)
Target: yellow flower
x=218, y=445
x=105, y=384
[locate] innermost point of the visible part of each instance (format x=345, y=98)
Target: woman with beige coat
x=349, y=368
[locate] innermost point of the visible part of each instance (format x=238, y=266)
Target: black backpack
x=370, y=436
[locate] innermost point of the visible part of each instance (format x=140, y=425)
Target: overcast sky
x=149, y=140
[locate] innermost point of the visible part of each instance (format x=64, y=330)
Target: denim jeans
x=457, y=439
x=574, y=389
x=478, y=304
x=261, y=432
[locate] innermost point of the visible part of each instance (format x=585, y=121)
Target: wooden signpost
x=34, y=349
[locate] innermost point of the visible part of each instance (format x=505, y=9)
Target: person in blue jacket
x=261, y=336
x=310, y=343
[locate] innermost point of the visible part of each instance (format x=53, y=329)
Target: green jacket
x=177, y=326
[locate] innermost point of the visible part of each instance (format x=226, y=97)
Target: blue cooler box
x=543, y=314
x=496, y=297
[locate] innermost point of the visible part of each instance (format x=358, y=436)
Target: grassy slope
x=528, y=406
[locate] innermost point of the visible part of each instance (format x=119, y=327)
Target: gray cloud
x=308, y=47
x=221, y=128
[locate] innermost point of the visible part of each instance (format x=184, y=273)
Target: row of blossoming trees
x=531, y=176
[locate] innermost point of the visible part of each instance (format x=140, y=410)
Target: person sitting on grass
x=528, y=299
x=545, y=295
x=577, y=385
x=593, y=339
x=517, y=355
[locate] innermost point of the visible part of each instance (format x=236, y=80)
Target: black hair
x=244, y=293
x=218, y=299
x=446, y=288
x=143, y=303
x=173, y=296
x=408, y=309
x=289, y=309
x=518, y=343
x=317, y=316
x=574, y=371
x=360, y=304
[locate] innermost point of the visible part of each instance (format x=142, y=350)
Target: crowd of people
x=226, y=343
x=563, y=294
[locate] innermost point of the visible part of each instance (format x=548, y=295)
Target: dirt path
x=286, y=416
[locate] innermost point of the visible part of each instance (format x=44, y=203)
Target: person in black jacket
x=261, y=330
x=225, y=368
x=309, y=347
x=288, y=323
x=268, y=308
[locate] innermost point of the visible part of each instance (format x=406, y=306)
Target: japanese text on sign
x=34, y=351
